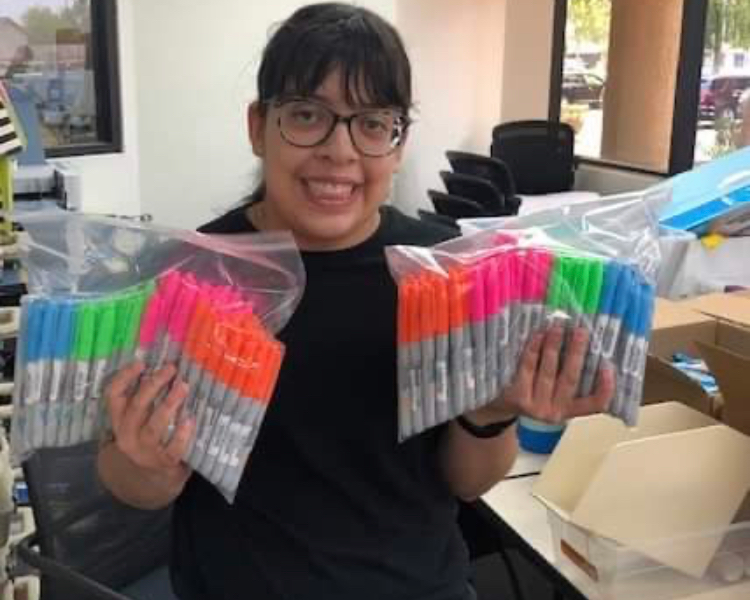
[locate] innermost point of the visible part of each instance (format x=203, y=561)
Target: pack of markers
x=468, y=307
x=209, y=305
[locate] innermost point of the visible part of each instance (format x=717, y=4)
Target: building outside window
x=59, y=56
x=620, y=87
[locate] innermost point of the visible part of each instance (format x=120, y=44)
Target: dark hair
x=319, y=38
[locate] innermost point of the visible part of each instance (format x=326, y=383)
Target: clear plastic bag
x=468, y=307
x=105, y=292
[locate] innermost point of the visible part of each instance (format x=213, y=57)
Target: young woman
x=331, y=505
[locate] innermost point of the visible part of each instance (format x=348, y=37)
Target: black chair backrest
x=474, y=188
x=456, y=207
x=80, y=525
x=486, y=167
x=540, y=154
x=432, y=217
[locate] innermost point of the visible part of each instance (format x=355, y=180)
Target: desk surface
x=511, y=500
x=526, y=464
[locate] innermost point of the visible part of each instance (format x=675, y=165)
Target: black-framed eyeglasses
x=306, y=123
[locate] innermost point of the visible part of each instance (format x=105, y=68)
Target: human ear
x=256, y=122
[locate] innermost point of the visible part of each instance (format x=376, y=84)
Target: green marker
x=554, y=290
x=103, y=353
x=83, y=354
x=593, y=290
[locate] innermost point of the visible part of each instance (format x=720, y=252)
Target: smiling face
x=327, y=195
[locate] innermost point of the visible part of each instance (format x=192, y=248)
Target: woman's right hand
x=140, y=430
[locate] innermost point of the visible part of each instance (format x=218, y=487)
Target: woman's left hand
x=544, y=391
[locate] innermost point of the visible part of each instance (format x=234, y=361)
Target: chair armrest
x=56, y=570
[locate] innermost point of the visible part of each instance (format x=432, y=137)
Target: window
x=673, y=74
x=59, y=58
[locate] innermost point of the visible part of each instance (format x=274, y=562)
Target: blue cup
x=538, y=437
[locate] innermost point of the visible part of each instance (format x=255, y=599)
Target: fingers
x=116, y=392
x=600, y=399
x=544, y=384
x=178, y=446
x=552, y=395
x=139, y=411
x=156, y=428
x=570, y=377
x=523, y=384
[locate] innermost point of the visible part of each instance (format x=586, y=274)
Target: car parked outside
x=582, y=88
x=720, y=97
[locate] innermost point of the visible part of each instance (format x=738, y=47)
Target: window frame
x=687, y=89
x=106, y=66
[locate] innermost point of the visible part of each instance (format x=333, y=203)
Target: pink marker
x=177, y=328
x=544, y=268
x=505, y=280
x=515, y=308
x=149, y=325
x=168, y=291
x=529, y=266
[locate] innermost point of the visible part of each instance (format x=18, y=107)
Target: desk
x=522, y=520
x=527, y=463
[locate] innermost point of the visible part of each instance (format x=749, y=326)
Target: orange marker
x=253, y=409
x=427, y=301
x=459, y=337
x=442, y=348
x=404, y=339
x=221, y=400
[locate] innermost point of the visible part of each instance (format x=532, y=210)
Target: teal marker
x=37, y=396
x=61, y=370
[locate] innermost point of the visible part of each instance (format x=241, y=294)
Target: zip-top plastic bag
x=468, y=307
x=105, y=292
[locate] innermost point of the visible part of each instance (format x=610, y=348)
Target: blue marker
x=637, y=367
x=57, y=396
x=25, y=374
x=604, y=311
x=612, y=330
x=37, y=398
x=627, y=346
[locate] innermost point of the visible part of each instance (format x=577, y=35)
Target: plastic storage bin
x=606, y=570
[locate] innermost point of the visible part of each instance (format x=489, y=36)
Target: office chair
x=492, y=169
x=540, y=154
x=455, y=207
x=91, y=547
x=438, y=219
x=479, y=190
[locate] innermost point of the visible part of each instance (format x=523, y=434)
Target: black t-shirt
x=331, y=506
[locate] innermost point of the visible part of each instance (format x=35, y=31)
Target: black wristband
x=485, y=431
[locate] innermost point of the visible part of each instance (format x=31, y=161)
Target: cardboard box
x=677, y=328
x=715, y=327
x=648, y=509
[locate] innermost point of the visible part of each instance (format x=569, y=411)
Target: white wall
x=186, y=83
x=196, y=65
x=476, y=63
x=527, y=59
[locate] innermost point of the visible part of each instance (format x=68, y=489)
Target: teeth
x=329, y=189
